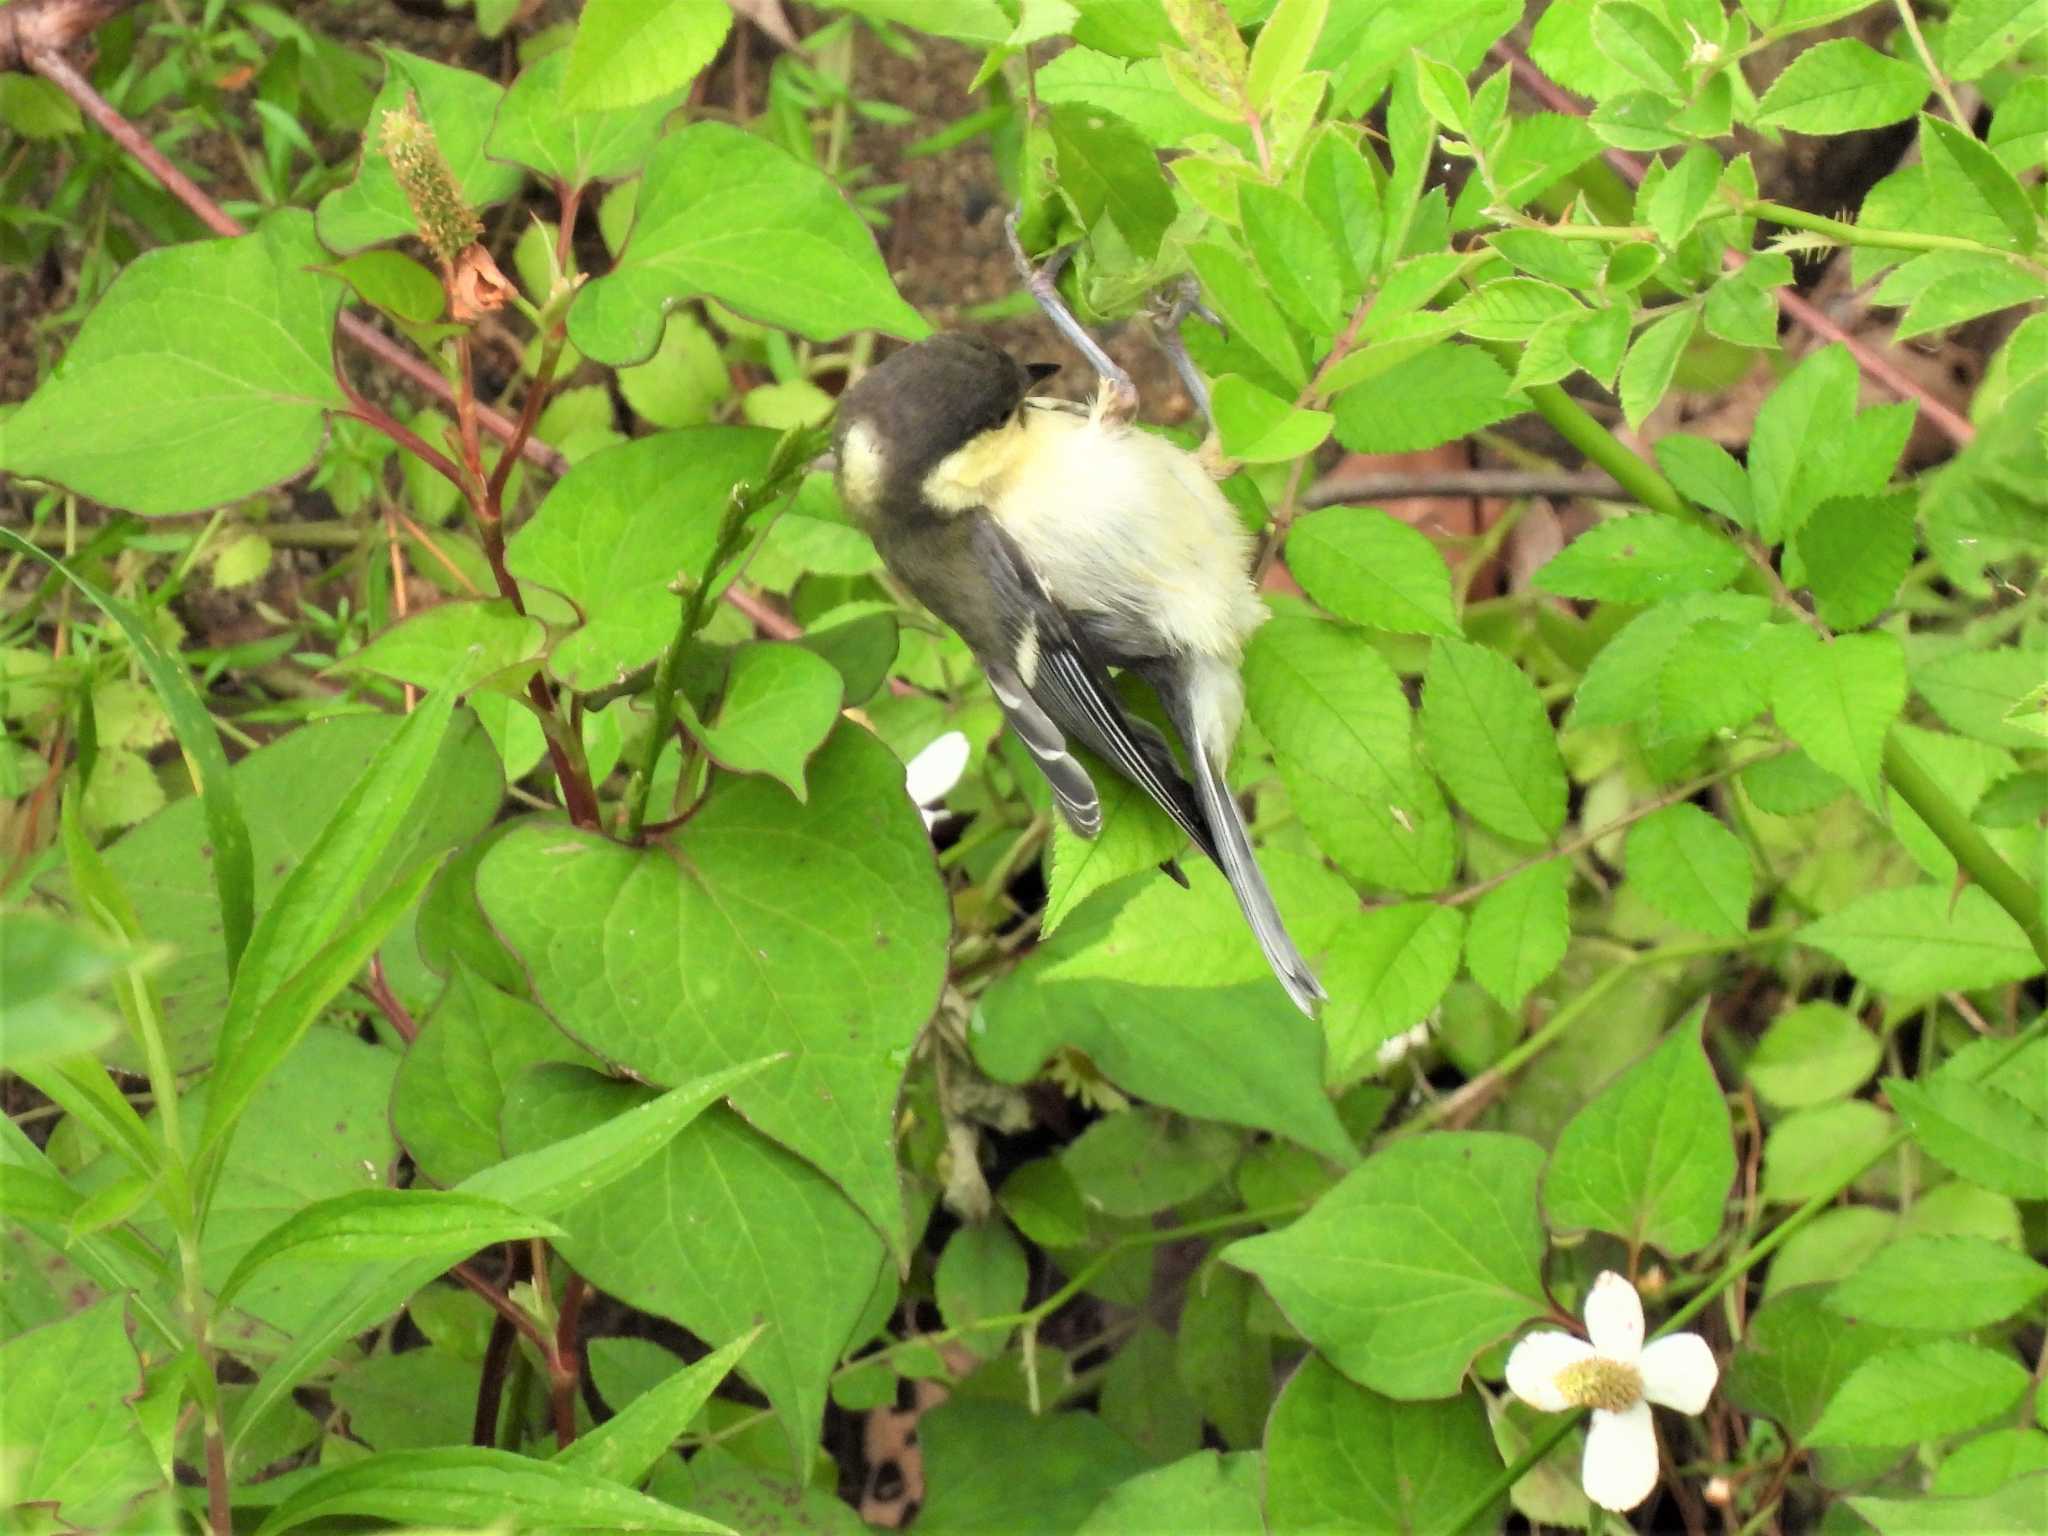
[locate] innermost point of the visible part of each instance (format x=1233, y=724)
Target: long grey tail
x=1248, y=882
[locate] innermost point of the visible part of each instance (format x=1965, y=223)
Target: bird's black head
x=920, y=405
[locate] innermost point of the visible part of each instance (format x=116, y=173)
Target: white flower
x=1618, y=1377
x=931, y=775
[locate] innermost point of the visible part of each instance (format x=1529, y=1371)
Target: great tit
x=1059, y=542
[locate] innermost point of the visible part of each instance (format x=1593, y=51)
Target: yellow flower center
x=1599, y=1383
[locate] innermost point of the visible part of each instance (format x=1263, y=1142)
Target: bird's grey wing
x=1052, y=670
x=1072, y=790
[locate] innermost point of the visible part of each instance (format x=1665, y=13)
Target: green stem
x=1881, y=239
x=793, y=452
x=1584, y=432
x=1962, y=837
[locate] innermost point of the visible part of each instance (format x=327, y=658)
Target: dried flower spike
x=446, y=222
x=476, y=286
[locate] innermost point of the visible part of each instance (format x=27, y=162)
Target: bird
x=1060, y=541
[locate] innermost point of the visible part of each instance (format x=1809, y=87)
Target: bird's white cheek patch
x=862, y=466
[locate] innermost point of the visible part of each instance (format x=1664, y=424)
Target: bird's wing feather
x=1068, y=689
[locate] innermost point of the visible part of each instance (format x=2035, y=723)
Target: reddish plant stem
x=565, y=1360
x=56, y=69
x=219, y=1511
x=388, y=1004
x=1797, y=309
x=490, y=1382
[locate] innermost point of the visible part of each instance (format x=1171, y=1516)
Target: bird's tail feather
x=1248, y=883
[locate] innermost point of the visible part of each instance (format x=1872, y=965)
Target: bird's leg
x=1187, y=300
x=1118, y=399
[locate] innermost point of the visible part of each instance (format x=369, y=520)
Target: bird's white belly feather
x=1113, y=518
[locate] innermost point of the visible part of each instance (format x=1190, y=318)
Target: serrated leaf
x=1652, y=1159
x=1984, y=1135
x=1811, y=1054
x=1519, y=931
x=1490, y=740
x=1916, y=941
x=1259, y=427
x=1636, y=39
x=1813, y=405
x=1679, y=199
x=202, y=375
x=627, y=52
x=1387, y=970
x=1233, y=288
x=1441, y=395
x=1982, y=34
x=1419, y=1259
x=725, y=214
x=1692, y=869
x=1652, y=360
x=1843, y=85
x=1961, y=170
x=1951, y=1283
x=1372, y=569
x=1838, y=699
x=1855, y=550
x=1642, y=558
x=1283, y=48
x=1108, y=170
x=1341, y=725
x=1919, y=1392
x=1294, y=255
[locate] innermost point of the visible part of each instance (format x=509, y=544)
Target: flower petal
x=932, y=773
x=1679, y=1372
x=1620, y=1466
x=1534, y=1363
x=1614, y=1318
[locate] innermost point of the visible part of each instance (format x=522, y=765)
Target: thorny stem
x=1879, y=239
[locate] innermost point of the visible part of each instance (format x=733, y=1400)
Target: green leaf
x=1439, y=396
x=1975, y=691
x=1954, y=1284
x=728, y=215
x=1681, y=196
x=2013, y=1507
x=1637, y=40
x=1982, y=34
x=1978, y=1132
x=840, y=969
x=1283, y=48
x=1652, y=360
x=488, y=635
x=458, y=105
x=982, y=1272
x=1991, y=1461
x=1233, y=288
x=473, y=1486
x=1811, y=1054
x=1205, y=1492
x=625, y=1448
x=1641, y=558
x=1336, y=716
x=1692, y=869
x=1706, y=473
x=1489, y=739
x=1918, y=940
x=578, y=142
x=1341, y=189
x=1795, y=1356
x=1622, y=685
x=1110, y=171
x=379, y=1224
x=1259, y=427
x=717, y=1175
x=1154, y=982
x=394, y=283
x=69, y=1435
x=1842, y=86
x=1513, y=309
x=1142, y=1160
x=202, y=375
x=995, y=1466
x=1136, y=89
x=1136, y=835
x=543, y=1183
x=1920, y=1392
x=1838, y=699
x=1519, y=931
x=780, y=703
x=627, y=52
x=1418, y=1260
x=1341, y=1458
x=1856, y=550
x=45, y=967
x=1652, y=1159
x=1789, y=456
x=1960, y=169
x=1294, y=255
x=1813, y=1151
x=1387, y=971
x=1362, y=565
x=622, y=525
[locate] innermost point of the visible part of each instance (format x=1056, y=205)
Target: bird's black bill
x=1040, y=372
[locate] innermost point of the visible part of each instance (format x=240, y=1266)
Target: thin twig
x=1508, y=484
